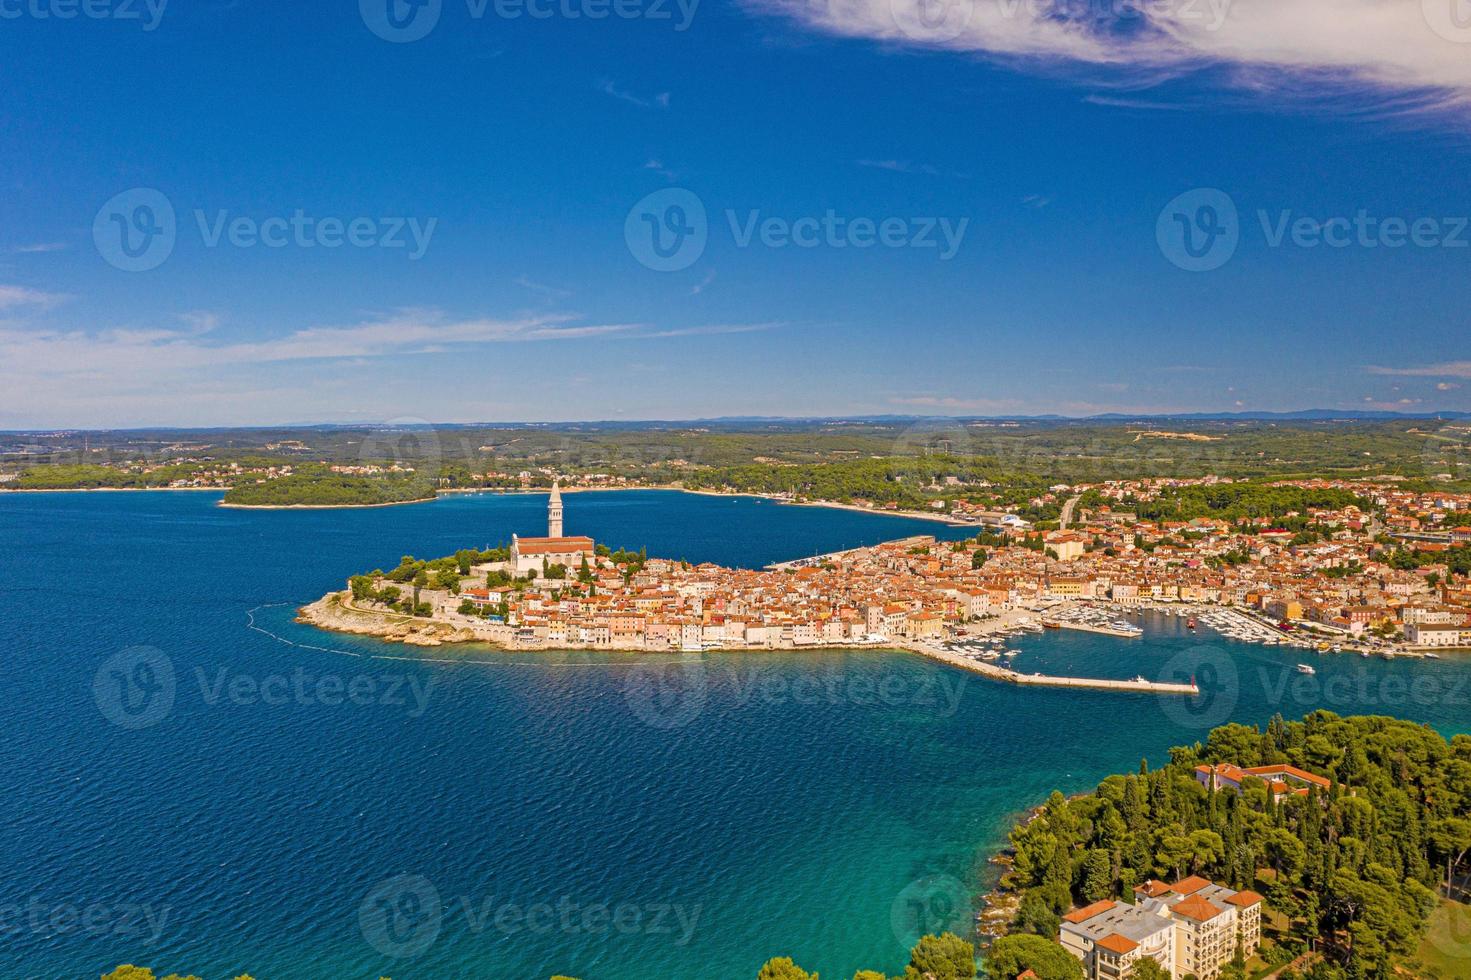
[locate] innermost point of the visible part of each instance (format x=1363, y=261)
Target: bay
x=310, y=805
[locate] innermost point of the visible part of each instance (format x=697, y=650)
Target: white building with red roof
x=1189, y=928
x=536, y=554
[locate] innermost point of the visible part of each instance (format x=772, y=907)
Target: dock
x=1010, y=676
x=1068, y=624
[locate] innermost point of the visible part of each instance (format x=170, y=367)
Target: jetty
x=1010, y=676
x=1073, y=624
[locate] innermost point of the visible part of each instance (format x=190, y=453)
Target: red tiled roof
x=553, y=546
x=1189, y=886
x=1088, y=911
x=1196, y=908
x=1115, y=943
x=1245, y=899
x=1152, y=889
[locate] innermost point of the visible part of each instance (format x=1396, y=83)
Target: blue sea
x=195, y=783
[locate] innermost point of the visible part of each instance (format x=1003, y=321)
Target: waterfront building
x=1437, y=635
x=1190, y=928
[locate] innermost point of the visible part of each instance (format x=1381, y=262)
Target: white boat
x=1432, y=656
x=1305, y=669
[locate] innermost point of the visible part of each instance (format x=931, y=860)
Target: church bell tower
x=554, y=512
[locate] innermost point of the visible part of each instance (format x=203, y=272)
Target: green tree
x=1010, y=956
x=943, y=957
x=1147, y=968
x=782, y=968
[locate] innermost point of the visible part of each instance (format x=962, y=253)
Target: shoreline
x=336, y=612
x=391, y=503
x=502, y=491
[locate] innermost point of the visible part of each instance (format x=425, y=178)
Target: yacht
x=1306, y=669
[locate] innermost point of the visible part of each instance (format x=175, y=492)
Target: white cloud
x=659, y=101
x=1445, y=369
x=17, y=296
x=951, y=403
x=1287, y=47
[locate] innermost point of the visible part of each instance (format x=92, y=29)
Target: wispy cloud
x=658, y=101
x=39, y=247
x=657, y=166
x=712, y=329
x=23, y=296
x=1120, y=102
x=953, y=404
x=1445, y=369
x=909, y=167
x=1288, y=48
x=700, y=286
x=1036, y=201
x=551, y=292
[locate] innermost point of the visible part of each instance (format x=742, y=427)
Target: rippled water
x=473, y=814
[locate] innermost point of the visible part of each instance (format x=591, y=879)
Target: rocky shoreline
x=331, y=613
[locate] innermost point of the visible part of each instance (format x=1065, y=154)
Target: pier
x=1068, y=624
x=1044, y=680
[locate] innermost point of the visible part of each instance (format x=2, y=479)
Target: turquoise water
x=209, y=797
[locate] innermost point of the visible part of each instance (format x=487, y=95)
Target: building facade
x=1192, y=927
x=537, y=554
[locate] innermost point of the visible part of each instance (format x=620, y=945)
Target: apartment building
x=1189, y=928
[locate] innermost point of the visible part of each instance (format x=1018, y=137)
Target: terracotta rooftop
x=1245, y=899
x=1115, y=943
x=551, y=546
x=1197, y=908
x=1189, y=886
x=1089, y=911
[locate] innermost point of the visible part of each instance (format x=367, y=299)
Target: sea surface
x=193, y=782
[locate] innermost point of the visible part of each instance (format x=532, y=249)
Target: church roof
x=552, y=546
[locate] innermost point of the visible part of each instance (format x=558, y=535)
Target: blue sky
x=1049, y=141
